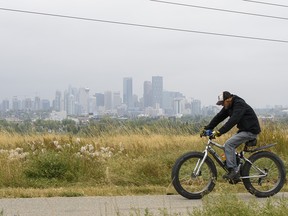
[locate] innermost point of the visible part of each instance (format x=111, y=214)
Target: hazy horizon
x=43, y=53
x=92, y=94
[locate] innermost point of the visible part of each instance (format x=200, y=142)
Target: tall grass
x=107, y=156
x=230, y=204
x=275, y=133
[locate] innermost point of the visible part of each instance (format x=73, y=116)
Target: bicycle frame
x=263, y=173
x=209, y=149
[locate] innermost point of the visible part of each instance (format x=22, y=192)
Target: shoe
x=232, y=175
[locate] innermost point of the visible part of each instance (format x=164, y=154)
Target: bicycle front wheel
x=187, y=182
x=265, y=176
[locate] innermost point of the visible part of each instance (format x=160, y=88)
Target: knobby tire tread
x=175, y=175
x=280, y=165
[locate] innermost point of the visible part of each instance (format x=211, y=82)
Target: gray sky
x=41, y=54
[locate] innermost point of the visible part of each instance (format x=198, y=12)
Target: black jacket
x=241, y=114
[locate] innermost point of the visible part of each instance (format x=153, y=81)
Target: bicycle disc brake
x=261, y=178
x=195, y=176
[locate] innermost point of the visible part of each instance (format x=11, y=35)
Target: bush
x=51, y=166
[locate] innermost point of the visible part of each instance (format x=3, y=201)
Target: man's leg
x=230, y=146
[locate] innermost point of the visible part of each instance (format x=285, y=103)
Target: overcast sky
x=40, y=54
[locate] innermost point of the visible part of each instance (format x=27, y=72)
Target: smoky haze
x=41, y=53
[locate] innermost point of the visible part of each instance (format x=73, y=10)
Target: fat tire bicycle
x=263, y=173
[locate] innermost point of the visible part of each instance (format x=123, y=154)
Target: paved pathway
x=104, y=206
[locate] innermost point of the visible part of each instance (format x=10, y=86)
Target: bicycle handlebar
x=207, y=133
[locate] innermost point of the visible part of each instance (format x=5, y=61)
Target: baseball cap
x=222, y=97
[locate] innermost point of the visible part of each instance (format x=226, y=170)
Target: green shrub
x=50, y=165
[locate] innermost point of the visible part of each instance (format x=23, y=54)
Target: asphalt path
x=107, y=205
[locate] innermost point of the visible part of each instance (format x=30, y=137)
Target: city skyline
x=128, y=86
x=205, y=48
x=78, y=102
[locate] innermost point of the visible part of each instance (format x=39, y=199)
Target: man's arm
x=221, y=116
x=238, y=112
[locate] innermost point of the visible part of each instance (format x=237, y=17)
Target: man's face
x=227, y=103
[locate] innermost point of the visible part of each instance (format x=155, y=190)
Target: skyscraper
x=70, y=101
x=171, y=102
x=108, y=100
x=27, y=104
x=128, y=92
x=5, y=105
x=83, y=100
x=37, y=103
x=157, y=91
x=196, y=107
x=45, y=104
x=116, y=100
x=16, y=104
x=99, y=99
x=147, y=94
x=57, y=101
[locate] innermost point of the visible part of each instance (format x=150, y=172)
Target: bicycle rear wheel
x=271, y=166
x=185, y=180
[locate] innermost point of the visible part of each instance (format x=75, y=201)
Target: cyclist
x=240, y=114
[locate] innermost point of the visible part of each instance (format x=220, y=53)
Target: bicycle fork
x=197, y=169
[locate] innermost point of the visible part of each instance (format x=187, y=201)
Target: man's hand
x=215, y=134
x=203, y=133
x=206, y=132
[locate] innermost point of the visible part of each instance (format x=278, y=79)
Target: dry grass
x=80, y=190
x=138, y=164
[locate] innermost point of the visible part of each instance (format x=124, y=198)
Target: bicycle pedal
x=234, y=181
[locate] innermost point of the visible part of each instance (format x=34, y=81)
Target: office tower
x=99, y=100
x=196, y=107
x=37, y=103
x=70, y=104
x=70, y=101
x=116, y=99
x=147, y=94
x=16, y=104
x=83, y=100
x=136, y=102
x=171, y=102
x=45, y=104
x=157, y=91
x=108, y=103
x=178, y=105
x=5, y=105
x=27, y=104
x=57, y=101
x=92, y=105
x=128, y=92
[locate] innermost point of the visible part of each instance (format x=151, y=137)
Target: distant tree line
x=106, y=125
x=114, y=126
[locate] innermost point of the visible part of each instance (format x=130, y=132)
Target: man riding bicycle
x=242, y=115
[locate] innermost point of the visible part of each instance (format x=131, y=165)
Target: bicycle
x=263, y=173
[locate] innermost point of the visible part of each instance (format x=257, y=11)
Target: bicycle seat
x=250, y=143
